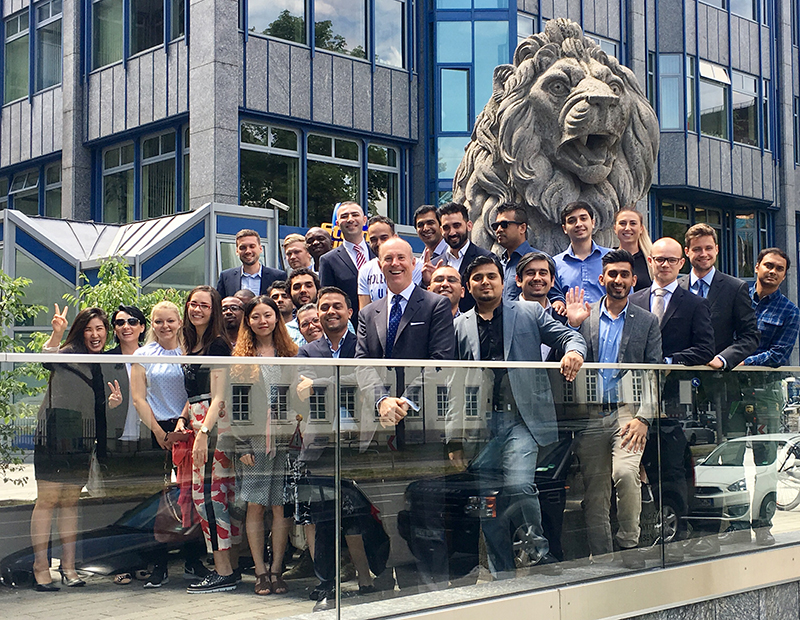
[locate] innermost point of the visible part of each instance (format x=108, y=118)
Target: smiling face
x=309, y=325
x=262, y=321
x=428, y=229
x=95, y=336
x=618, y=280
x=628, y=227
x=248, y=249
x=379, y=233
x=397, y=264
x=455, y=230
x=446, y=281
x=297, y=255
x=702, y=253
x=536, y=281
x=126, y=333
x=578, y=226
x=166, y=326
x=304, y=290
x=334, y=313
x=351, y=221
x=318, y=242
x=200, y=309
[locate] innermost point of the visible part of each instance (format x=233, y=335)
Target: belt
x=199, y=399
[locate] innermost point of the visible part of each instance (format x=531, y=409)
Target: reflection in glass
x=16, y=58
x=455, y=99
x=341, y=26
x=450, y=152
x=270, y=175
x=745, y=245
x=454, y=42
x=328, y=184
x=491, y=38
x=106, y=32
x=713, y=108
x=48, y=44
x=283, y=19
x=390, y=25
x=670, y=75
x=745, y=109
x=182, y=274
x=147, y=24
x=45, y=289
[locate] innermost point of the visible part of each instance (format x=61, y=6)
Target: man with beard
x=252, y=274
x=447, y=281
x=456, y=227
x=303, y=286
x=279, y=293
x=232, y=313
x=318, y=242
x=610, y=448
x=429, y=231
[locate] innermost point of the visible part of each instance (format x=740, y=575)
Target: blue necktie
x=701, y=288
x=394, y=322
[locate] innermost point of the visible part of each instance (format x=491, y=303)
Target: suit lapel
x=509, y=317
x=411, y=309
x=714, y=289
x=345, y=258
x=674, y=302
x=473, y=338
x=594, y=330
x=380, y=322
x=627, y=328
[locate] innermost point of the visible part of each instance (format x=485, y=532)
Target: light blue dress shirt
x=609, y=341
x=572, y=271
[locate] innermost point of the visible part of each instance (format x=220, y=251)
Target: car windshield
x=737, y=453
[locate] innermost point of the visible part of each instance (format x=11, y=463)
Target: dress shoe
x=327, y=601
x=764, y=538
x=632, y=558
x=45, y=587
x=77, y=582
x=709, y=545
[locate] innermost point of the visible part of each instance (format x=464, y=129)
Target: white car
x=743, y=479
x=696, y=433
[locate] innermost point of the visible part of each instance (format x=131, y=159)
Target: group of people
x=375, y=299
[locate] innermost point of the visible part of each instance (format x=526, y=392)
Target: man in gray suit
x=610, y=448
x=523, y=415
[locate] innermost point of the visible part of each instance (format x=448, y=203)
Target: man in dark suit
x=252, y=275
x=340, y=267
x=337, y=341
x=610, y=448
x=429, y=231
x=523, y=416
x=536, y=279
x=456, y=227
x=735, y=329
x=687, y=336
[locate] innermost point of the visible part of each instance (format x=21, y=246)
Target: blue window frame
x=35, y=190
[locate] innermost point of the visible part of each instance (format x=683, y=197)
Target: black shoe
x=548, y=565
x=327, y=601
x=213, y=583
x=632, y=558
x=195, y=570
x=319, y=590
x=45, y=587
x=157, y=578
x=764, y=538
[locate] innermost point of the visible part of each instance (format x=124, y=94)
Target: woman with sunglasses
x=160, y=398
x=632, y=234
x=75, y=399
x=129, y=324
x=213, y=477
x=263, y=334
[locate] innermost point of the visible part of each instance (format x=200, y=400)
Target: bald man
x=687, y=336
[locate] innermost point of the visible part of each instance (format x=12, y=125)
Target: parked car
x=740, y=479
x=697, y=433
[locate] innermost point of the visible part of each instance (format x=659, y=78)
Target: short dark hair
x=423, y=209
x=532, y=256
x=280, y=285
x=334, y=290
x=575, y=206
x=134, y=312
x=777, y=251
x=519, y=211
x=381, y=219
x=488, y=259
x=618, y=256
x=303, y=271
x=451, y=208
x=244, y=295
x=247, y=232
x=699, y=230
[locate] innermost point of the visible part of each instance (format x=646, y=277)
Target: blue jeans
x=510, y=457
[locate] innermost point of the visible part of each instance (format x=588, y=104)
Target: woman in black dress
x=75, y=400
x=632, y=234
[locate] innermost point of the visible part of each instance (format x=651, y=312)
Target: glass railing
x=394, y=490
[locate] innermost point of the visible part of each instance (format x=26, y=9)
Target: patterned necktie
x=394, y=322
x=658, y=303
x=360, y=259
x=700, y=288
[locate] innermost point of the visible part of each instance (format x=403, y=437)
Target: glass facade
x=118, y=190
x=16, y=71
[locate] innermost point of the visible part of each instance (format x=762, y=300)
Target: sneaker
x=213, y=583
x=195, y=571
x=157, y=578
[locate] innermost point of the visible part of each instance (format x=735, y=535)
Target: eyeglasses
x=314, y=321
x=231, y=308
x=504, y=224
x=194, y=305
x=665, y=259
x=132, y=321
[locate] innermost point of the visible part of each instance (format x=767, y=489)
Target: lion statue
x=565, y=122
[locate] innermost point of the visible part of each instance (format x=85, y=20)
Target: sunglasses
x=504, y=224
x=132, y=321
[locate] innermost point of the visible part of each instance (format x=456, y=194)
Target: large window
x=455, y=105
x=383, y=186
x=52, y=190
x=45, y=288
x=714, y=84
x=270, y=168
x=16, y=68
x=25, y=192
x=183, y=274
x=284, y=19
x=744, y=8
x=106, y=32
x=118, y=195
x=147, y=24
x=334, y=175
x=671, y=95
x=390, y=26
x=341, y=26
x=745, y=108
x=48, y=44
x=158, y=175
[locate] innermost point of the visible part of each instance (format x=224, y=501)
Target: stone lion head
x=565, y=123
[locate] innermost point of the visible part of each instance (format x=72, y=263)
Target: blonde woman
x=263, y=334
x=632, y=234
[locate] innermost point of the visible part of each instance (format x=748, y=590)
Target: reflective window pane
x=745, y=244
x=158, y=189
x=178, y=25
x=491, y=38
x=341, y=26
x=106, y=32
x=320, y=145
x=182, y=274
x=455, y=100
x=453, y=42
x=48, y=46
x=147, y=24
x=453, y=4
x=345, y=149
x=283, y=19
x=268, y=175
x=16, y=58
x=390, y=26
x=328, y=184
x=383, y=193
x=449, y=155
x=744, y=8
x=45, y=288
x=713, y=109
x=118, y=197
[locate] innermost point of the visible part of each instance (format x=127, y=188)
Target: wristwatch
x=204, y=429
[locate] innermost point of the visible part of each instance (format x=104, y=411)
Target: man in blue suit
x=252, y=275
x=523, y=415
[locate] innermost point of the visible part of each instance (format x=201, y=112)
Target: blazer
x=230, y=280
x=686, y=332
x=736, y=334
x=320, y=348
x=473, y=252
x=525, y=327
x=336, y=268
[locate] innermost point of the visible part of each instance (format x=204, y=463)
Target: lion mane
x=565, y=122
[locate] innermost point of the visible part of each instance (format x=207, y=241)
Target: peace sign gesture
x=59, y=321
x=115, y=398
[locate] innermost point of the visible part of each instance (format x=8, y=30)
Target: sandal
x=278, y=584
x=263, y=584
x=123, y=579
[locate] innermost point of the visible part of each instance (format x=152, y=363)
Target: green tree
x=18, y=382
x=287, y=26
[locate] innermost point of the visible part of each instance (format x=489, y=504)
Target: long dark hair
x=75, y=342
x=246, y=340
x=134, y=312
x=214, y=329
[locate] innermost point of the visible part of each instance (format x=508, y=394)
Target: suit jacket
x=336, y=268
x=686, y=332
x=736, y=332
x=525, y=327
x=320, y=348
x=640, y=344
x=473, y=252
x=230, y=280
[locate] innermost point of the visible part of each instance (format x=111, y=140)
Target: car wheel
x=667, y=526
x=768, y=507
x=524, y=549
